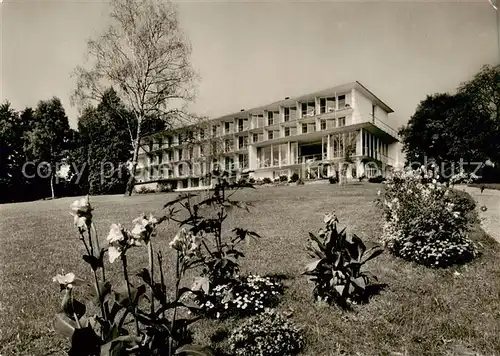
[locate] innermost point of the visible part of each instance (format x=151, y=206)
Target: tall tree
x=482, y=97
x=145, y=57
x=105, y=147
x=48, y=138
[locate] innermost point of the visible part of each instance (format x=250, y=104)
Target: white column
x=279, y=155
x=328, y=154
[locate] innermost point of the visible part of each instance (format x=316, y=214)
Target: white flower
x=114, y=252
x=115, y=234
x=179, y=240
x=68, y=281
x=82, y=206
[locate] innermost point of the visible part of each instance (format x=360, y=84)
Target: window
x=287, y=131
x=180, y=139
x=170, y=156
x=190, y=153
x=160, y=158
x=270, y=118
x=214, y=130
x=201, y=149
x=304, y=128
x=226, y=127
x=202, y=134
x=323, y=125
x=341, y=101
x=270, y=135
x=342, y=121
x=160, y=142
x=303, y=109
x=287, y=114
x=255, y=137
x=322, y=105
x=180, y=154
x=179, y=169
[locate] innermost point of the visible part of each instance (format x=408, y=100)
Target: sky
x=250, y=53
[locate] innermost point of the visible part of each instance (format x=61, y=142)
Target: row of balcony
x=259, y=124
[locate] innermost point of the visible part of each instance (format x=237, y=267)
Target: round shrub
x=268, y=334
x=427, y=222
x=243, y=297
x=294, y=178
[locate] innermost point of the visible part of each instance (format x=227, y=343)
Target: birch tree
x=144, y=56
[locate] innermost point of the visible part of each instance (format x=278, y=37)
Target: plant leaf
x=312, y=266
x=194, y=350
x=64, y=325
x=371, y=254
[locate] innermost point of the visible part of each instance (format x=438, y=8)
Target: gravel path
x=490, y=219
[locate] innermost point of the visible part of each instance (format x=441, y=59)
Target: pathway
x=490, y=219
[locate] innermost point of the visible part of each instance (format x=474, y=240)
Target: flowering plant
x=426, y=221
x=267, y=334
x=337, y=267
x=202, y=239
x=156, y=332
x=243, y=297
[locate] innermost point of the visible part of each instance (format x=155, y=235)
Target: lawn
x=421, y=312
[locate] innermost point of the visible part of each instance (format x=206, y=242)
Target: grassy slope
x=422, y=312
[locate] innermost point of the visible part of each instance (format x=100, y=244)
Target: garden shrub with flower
x=427, y=222
x=217, y=252
x=267, y=334
x=241, y=297
x=123, y=326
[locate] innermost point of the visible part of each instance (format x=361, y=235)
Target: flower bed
x=427, y=222
x=242, y=297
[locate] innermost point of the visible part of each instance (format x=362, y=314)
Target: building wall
x=362, y=109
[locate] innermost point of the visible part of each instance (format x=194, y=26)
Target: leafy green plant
x=377, y=179
x=157, y=331
x=266, y=180
x=337, y=267
x=294, y=178
x=333, y=180
x=267, y=334
x=218, y=252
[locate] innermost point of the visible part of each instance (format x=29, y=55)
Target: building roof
x=325, y=92
x=344, y=88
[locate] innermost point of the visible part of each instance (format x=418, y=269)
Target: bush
x=268, y=334
x=241, y=297
x=333, y=180
x=300, y=181
x=164, y=188
x=377, y=179
x=363, y=177
x=336, y=269
x=283, y=179
x=145, y=190
x=251, y=180
x=427, y=222
x=266, y=180
x=294, y=178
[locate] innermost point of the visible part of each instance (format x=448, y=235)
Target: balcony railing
x=383, y=126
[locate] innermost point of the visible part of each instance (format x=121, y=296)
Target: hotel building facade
x=312, y=135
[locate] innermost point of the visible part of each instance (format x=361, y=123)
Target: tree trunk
x=135, y=157
x=131, y=179
x=52, y=185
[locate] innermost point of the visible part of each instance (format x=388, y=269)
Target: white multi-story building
x=312, y=135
